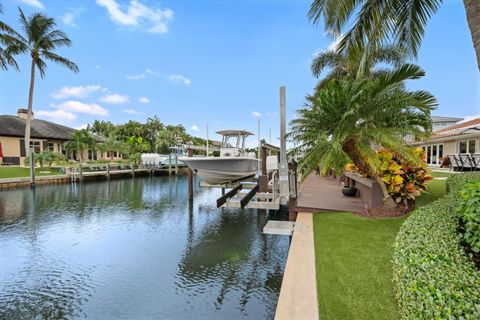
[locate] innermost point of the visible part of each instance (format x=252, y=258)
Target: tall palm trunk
x=29, y=112
x=350, y=149
x=472, y=9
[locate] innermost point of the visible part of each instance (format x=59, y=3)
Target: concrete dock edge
x=298, y=293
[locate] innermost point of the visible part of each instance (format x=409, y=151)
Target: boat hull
x=216, y=171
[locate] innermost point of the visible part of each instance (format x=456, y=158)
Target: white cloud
x=80, y=107
x=75, y=92
x=136, y=77
x=69, y=17
x=141, y=75
x=138, y=15
x=150, y=71
x=256, y=114
x=176, y=78
x=132, y=111
x=195, y=128
x=33, y=3
x=143, y=100
x=57, y=115
x=115, y=99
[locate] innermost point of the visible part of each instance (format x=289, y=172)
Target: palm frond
x=61, y=60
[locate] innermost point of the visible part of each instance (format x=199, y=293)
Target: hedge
x=434, y=278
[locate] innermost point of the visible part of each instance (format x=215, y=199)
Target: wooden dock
x=324, y=193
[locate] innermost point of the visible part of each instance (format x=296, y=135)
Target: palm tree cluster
x=361, y=102
x=347, y=118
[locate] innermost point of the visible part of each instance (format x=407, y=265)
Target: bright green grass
x=18, y=172
x=436, y=189
x=353, y=261
x=354, y=272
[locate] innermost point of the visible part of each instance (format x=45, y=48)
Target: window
x=467, y=146
x=471, y=146
x=49, y=146
x=36, y=145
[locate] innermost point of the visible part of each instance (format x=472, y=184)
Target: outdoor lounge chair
x=476, y=160
x=455, y=163
x=467, y=162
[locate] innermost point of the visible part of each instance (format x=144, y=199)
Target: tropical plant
x=46, y=158
x=404, y=179
x=379, y=21
x=135, y=146
x=40, y=40
x=101, y=127
x=349, y=66
x=111, y=144
x=81, y=141
x=351, y=118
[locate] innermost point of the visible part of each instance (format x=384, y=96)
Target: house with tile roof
x=45, y=135
x=461, y=137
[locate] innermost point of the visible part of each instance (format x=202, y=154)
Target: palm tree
x=381, y=20
x=81, y=141
x=349, y=118
x=40, y=41
x=342, y=65
x=111, y=144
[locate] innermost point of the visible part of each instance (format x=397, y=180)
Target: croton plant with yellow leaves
x=404, y=179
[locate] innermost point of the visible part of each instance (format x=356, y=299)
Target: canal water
x=135, y=249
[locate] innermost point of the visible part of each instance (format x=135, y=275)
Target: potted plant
x=349, y=191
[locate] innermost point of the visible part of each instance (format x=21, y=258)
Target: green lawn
x=353, y=261
x=17, y=172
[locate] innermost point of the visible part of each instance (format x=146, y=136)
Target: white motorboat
x=234, y=163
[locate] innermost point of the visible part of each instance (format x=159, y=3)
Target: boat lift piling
x=190, y=176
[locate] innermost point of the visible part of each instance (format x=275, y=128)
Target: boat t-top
x=233, y=164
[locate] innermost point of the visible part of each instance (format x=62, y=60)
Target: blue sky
x=221, y=62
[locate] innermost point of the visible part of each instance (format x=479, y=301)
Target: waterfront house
x=460, y=138
x=45, y=135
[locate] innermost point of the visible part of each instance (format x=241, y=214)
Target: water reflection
x=134, y=248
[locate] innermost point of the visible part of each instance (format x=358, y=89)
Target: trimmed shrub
x=469, y=209
x=434, y=278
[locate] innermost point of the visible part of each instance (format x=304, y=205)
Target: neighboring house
x=443, y=122
x=462, y=137
x=44, y=135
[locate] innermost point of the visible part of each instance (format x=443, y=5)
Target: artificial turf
x=20, y=172
x=353, y=262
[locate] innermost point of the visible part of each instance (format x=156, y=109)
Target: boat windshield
x=232, y=142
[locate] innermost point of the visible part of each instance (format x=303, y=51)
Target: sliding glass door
x=434, y=154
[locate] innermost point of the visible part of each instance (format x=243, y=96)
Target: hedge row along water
x=434, y=278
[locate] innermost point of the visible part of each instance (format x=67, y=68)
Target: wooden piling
x=190, y=176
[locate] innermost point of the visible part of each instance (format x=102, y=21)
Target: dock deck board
x=323, y=193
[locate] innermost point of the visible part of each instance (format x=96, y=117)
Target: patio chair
x=466, y=159
x=455, y=163
x=476, y=160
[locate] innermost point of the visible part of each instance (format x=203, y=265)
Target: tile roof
x=14, y=126
x=461, y=125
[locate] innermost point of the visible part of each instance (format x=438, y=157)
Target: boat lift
x=274, y=186
x=255, y=192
